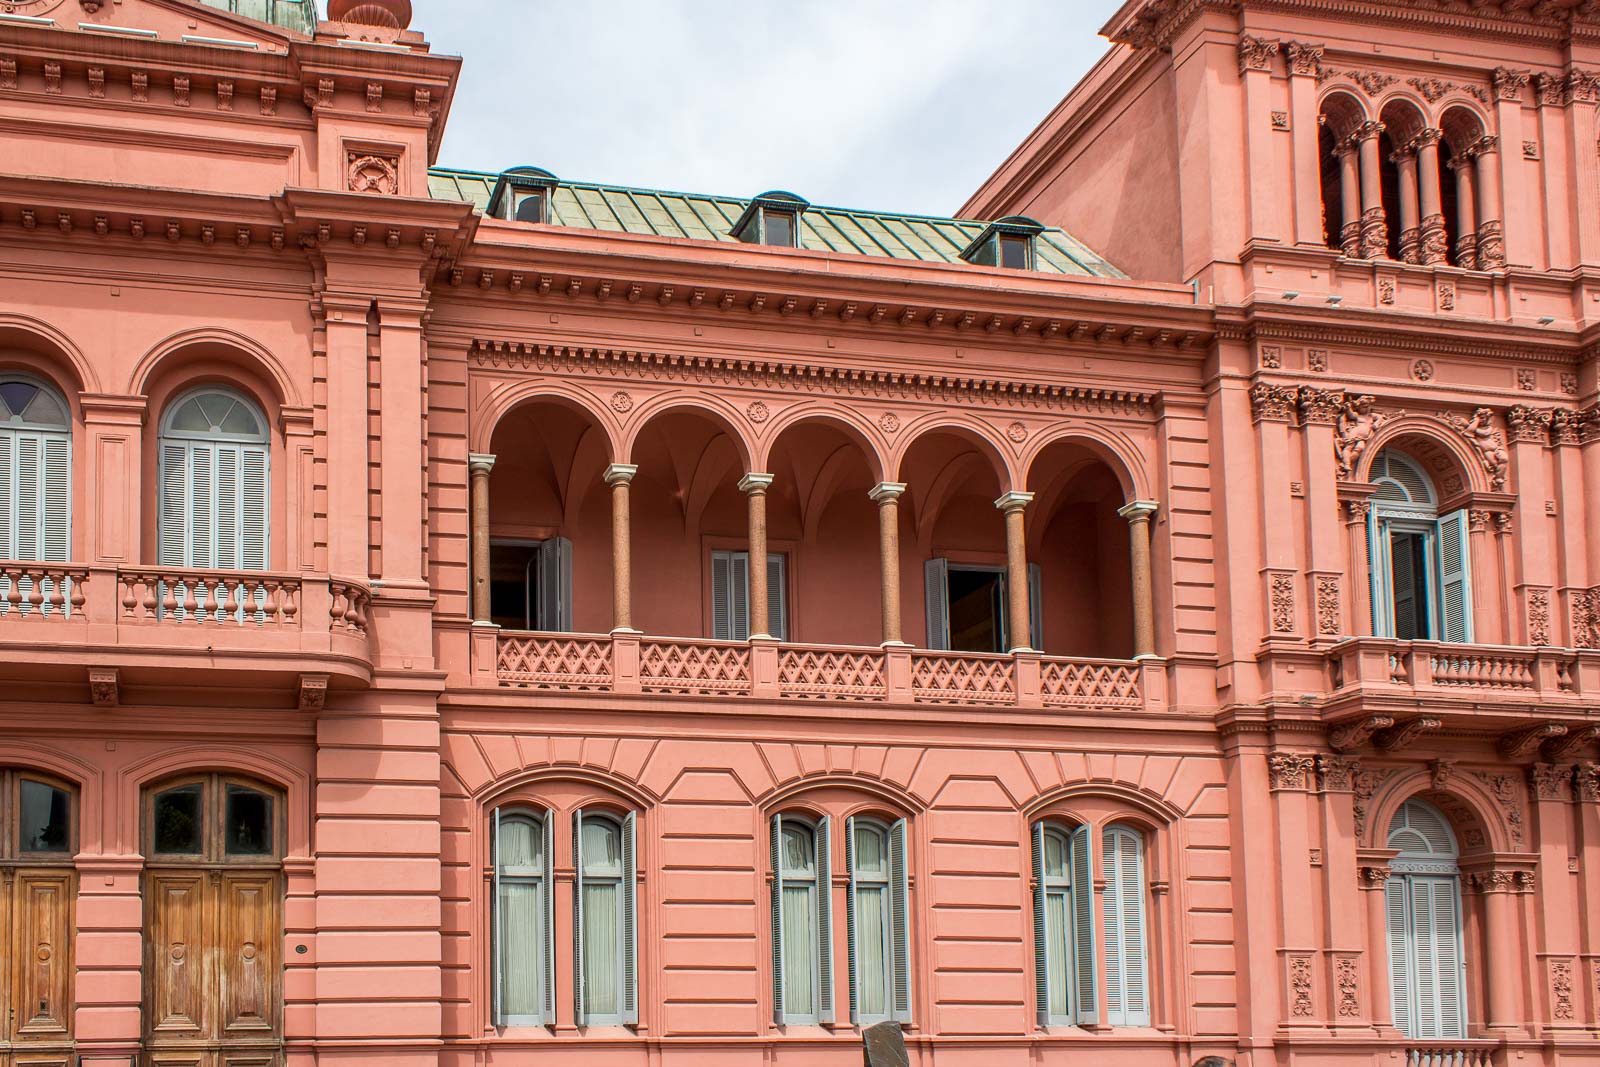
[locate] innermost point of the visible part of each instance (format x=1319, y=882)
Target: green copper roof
x=825, y=229
x=297, y=15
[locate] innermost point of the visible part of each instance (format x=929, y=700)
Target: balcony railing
x=1451, y=1054
x=630, y=663
x=1534, y=675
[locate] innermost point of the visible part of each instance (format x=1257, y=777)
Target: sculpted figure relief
x=1490, y=443
x=1359, y=423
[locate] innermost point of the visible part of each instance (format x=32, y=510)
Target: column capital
x=480, y=462
x=886, y=491
x=1137, y=510
x=621, y=473
x=1015, y=500
x=755, y=483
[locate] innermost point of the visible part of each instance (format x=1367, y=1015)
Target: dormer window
x=523, y=195
x=1007, y=243
x=772, y=219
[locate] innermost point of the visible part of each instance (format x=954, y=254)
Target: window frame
x=779, y=622
x=883, y=881
x=626, y=917
x=1113, y=901
x=240, y=444
x=542, y=822
x=213, y=822
x=11, y=852
x=1082, y=962
x=820, y=912
x=1409, y=870
x=1385, y=518
x=16, y=430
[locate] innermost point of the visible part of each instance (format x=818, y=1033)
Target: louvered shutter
x=202, y=547
x=549, y=946
x=824, y=920
x=721, y=596
x=1041, y=939
x=936, y=585
x=497, y=928
x=1435, y=941
x=1455, y=578
x=1447, y=956
x=173, y=535
x=555, y=585
x=852, y=932
x=778, y=596
x=1127, y=1002
x=1403, y=589
x=254, y=524
x=1035, y=606
x=738, y=596
x=900, y=918
x=229, y=507
x=630, y=919
x=777, y=919
x=8, y=499
x=1378, y=576
x=56, y=503
x=1399, y=939
x=1085, y=999
x=577, y=917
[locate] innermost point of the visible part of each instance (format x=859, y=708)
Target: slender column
x=619, y=476
x=1138, y=513
x=1013, y=504
x=1466, y=213
x=755, y=486
x=1435, y=244
x=1358, y=568
x=1350, y=197
x=479, y=466
x=887, y=496
x=1374, y=877
x=1500, y=914
x=1491, y=231
x=1489, y=625
x=1405, y=161
x=1374, y=226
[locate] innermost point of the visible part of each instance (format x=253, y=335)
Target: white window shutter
x=201, y=549
x=173, y=535
x=721, y=595
x=777, y=596
x=1455, y=578
x=229, y=509
x=851, y=932
x=936, y=584
x=1035, y=607
x=8, y=496
x=254, y=527
x=1085, y=999
x=29, y=483
x=825, y=919
x=738, y=596
x=56, y=505
x=900, y=917
x=577, y=917
x=555, y=585
x=1041, y=939
x=1127, y=997
x=630, y=919
x=1378, y=576
x=777, y=919
x=549, y=824
x=1400, y=953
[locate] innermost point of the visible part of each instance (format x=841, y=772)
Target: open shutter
x=1378, y=576
x=1041, y=940
x=777, y=919
x=174, y=517
x=1035, y=606
x=1084, y=995
x=549, y=824
x=738, y=596
x=777, y=596
x=825, y=920
x=1111, y=928
x=55, y=505
x=555, y=585
x=497, y=928
x=1405, y=584
x=1455, y=578
x=8, y=496
x=630, y=919
x=1127, y=1001
x=900, y=917
x=1447, y=958
x=721, y=596
x=1398, y=933
x=577, y=917
x=254, y=526
x=851, y=931
x=936, y=583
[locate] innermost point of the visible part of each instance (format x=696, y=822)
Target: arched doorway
x=213, y=894
x=1421, y=562
x=1422, y=902
x=38, y=835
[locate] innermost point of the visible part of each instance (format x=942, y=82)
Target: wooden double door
x=36, y=966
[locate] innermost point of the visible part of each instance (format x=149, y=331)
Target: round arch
x=271, y=769
x=713, y=409
x=205, y=345
x=853, y=426
x=1439, y=448
x=1342, y=110
x=1463, y=125
x=881, y=791
x=491, y=794
x=1115, y=450
x=1473, y=812
x=975, y=431
x=1148, y=809
x=508, y=397
x=1403, y=114
x=53, y=355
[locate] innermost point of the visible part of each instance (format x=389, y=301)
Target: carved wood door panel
x=176, y=976
x=35, y=967
x=249, y=969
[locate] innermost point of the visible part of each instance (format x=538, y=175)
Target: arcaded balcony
x=817, y=567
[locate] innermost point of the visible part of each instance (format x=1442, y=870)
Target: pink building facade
x=463, y=619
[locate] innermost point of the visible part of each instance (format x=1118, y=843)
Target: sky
x=888, y=105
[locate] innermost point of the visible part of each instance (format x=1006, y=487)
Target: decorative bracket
x=1357, y=732
x=1519, y=743
x=1560, y=748
x=313, y=692
x=1397, y=737
x=103, y=687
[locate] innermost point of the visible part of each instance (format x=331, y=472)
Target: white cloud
x=894, y=105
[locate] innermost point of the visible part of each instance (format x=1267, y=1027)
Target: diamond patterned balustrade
x=575, y=663
x=942, y=678
x=697, y=667
x=811, y=674
x=1086, y=683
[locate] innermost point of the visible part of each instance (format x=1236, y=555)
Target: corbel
x=103, y=687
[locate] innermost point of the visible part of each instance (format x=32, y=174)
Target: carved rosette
x=1290, y=770
x=369, y=173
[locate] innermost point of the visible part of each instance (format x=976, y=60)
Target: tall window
x=605, y=950
x=730, y=595
x=214, y=483
x=1123, y=920
x=1063, y=925
x=1420, y=563
x=530, y=584
x=967, y=606
x=35, y=479
x=802, y=936
x=524, y=977
x=1423, y=905
x=38, y=832
x=877, y=921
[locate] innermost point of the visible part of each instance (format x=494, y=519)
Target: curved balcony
x=164, y=625
x=625, y=663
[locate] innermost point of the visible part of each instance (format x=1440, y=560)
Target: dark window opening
x=977, y=610
x=531, y=208
x=1390, y=174
x=1014, y=253
x=780, y=228
x=45, y=818
x=1412, y=597
x=1450, y=201
x=1332, y=188
x=514, y=585
x=249, y=822
x=178, y=821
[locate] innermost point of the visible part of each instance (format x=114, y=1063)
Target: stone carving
x=1317, y=360
x=1439, y=772
x=1385, y=289
x=1320, y=405
x=1338, y=773
x=1357, y=732
x=1569, y=383
x=1434, y=89
x=757, y=412
x=1422, y=370
x=1491, y=246
x=1504, y=788
x=1358, y=425
x=1274, y=403
x=1564, y=426
x=889, y=422
x=180, y=90
x=103, y=687
x=1344, y=969
x=1304, y=58
x=1282, y=598
x=1539, y=617
x=1373, y=876
x=1403, y=734
x=1017, y=432
x=1327, y=605
x=1527, y=380
x=1508, y=83
x=1561, y=989
x=1586, y=781
x=1300, y=983
x=369, y=173
x=1489, y=442
x=1560, y=748
x=1374, y=231
x=1582, y=87
x=1271, y=357
x=1374, y=83
x=1549, y=781
x=1586, y=618
x=1255, y=53
x=621, y=402
x=1447, y=296
x=1290, y=770
x=1435, y=241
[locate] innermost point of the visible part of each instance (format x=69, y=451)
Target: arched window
x=802, y=921
x=604, y=921
x=524, y=976
x=215, y=456
x=1423, y=904
x=1063, y=925
x=1123, y=919
x=1420, y=562
x=35, y=479
x=877, y=921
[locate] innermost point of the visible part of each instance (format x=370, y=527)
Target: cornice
x=1421, y=334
